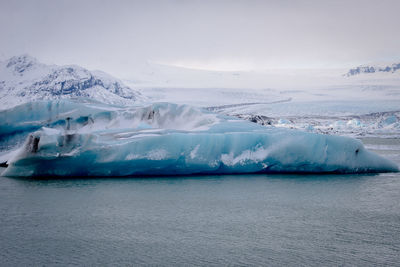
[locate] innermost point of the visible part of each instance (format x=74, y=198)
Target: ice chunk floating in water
x=74, y=138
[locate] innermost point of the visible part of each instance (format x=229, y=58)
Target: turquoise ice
x=85, y=138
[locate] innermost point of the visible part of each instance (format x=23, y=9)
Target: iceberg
x=70, y=137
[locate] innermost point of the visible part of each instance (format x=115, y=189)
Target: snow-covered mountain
x=23, y=79
x=374, y=69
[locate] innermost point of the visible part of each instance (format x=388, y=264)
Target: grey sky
x=118, y=36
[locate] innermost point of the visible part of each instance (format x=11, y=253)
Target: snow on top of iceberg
x=69, y=138
x=86, y=115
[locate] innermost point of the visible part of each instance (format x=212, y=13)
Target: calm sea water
x=270, y=220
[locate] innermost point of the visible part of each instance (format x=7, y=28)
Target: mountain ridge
x=367, y=69
x=23, y=78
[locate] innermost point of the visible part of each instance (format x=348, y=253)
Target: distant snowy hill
x=374, y=69
x=23, y=79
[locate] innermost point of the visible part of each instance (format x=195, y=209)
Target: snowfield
x=180, y=121
x=322, y=101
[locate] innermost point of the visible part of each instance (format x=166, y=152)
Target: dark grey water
x=207, y=220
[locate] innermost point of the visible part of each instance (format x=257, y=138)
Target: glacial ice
x=87, y=138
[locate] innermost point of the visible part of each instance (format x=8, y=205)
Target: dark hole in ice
x=151, y=115
x=68, y=123
x=357, y=150
x=69, y=138
x=4, y=164
x=35, y=144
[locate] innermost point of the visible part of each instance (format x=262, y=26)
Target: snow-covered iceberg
x=75, y=138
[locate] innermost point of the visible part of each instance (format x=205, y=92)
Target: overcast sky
x=117, y=36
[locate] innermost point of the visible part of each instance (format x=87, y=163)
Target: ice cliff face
x=373, y=69
x=23, y=79
x=71, y=138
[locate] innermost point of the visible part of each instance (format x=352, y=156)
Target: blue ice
x=85, y=138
